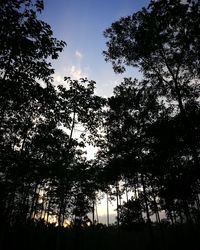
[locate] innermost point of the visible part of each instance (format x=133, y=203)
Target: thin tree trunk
x=171, y=216
x=117, y=196
x=145, y=198
x=97, y=216
x=126, y=192
x=155, y=203
x=151, y=235
x=93, y=213
x=107, y=210
x=48, y=211
x=61, y=209
x=33, y=201
x=36, y=203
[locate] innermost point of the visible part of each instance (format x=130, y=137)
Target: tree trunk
x=93, y=213
x=117, y=196
x=107, y=210
x=145, y=199
x=151, y=235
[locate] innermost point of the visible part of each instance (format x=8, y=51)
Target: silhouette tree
x=130, y=112
x=83, y=109
x=131, y=214
x=26, y=45
x=163, y=42
x=42, y=164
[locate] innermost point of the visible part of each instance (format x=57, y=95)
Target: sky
x=81, y=23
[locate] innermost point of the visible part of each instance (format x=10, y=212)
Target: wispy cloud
x=76, y=72
x=78, y=54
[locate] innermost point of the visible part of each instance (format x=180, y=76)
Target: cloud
x=78, y=54
x=58, y=78
x=76, y=72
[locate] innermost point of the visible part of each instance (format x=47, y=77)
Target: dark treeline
x=147, y=134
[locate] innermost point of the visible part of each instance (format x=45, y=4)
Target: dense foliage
x=44, y=173
x=155, y=122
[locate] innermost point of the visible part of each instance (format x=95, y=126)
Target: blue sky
x=80, y=23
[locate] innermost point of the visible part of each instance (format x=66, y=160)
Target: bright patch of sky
x=81, y=25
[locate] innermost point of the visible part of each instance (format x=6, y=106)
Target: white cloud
x=76, y=72
x=58, y=78
x=78, y=54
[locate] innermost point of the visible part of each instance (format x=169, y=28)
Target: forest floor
x=101, y=238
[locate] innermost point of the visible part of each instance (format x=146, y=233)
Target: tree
x=131, y=110
x=170, y=162
x=26, y=45
x=79, y=107
x=26, y=42
x=163, y=41
x=131, y=214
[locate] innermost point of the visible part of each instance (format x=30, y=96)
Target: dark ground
x=39, y=236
